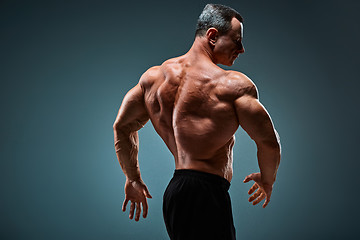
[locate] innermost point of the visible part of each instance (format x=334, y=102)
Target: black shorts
x=197, y=206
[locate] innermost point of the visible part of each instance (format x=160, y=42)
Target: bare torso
x=196, y=108
x=190, y=104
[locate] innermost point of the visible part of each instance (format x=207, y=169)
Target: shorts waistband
x=215, y=179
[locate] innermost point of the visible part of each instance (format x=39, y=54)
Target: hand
x=263, y=190
x=136, y=192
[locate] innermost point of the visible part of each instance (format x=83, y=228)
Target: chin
x=229, y=64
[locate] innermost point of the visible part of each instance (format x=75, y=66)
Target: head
x=223, y=29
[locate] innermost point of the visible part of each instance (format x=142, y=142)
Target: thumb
x=147, y=193
x=267, y=200
x=247, y=179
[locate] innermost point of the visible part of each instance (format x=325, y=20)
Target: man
x=196, y=107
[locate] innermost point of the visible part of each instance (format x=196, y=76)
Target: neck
x=201, y=49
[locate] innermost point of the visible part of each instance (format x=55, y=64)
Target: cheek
x=223, y=47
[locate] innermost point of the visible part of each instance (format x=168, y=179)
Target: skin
x=196, y=107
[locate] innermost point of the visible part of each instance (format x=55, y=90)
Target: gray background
x=66, y=65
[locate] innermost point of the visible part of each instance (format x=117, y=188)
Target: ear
x=212, y=35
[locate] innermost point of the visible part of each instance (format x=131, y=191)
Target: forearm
x=127, y=148
x=269, y=159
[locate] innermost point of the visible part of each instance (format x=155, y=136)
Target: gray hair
x=217, y=16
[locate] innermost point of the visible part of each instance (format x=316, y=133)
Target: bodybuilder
x=196, y=107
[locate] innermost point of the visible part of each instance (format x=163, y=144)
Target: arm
x=131, y=117
x=255, y=120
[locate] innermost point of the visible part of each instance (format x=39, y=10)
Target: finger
x=259, y=199
x=138, y=211
x=255, y=195
x=247, y=179
x=147, y=193
x=267, y=200
x=145, y=208
x=132, y=208
x=253, y=188
x=124, y=204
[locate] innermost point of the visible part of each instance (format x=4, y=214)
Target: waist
x=208, y=177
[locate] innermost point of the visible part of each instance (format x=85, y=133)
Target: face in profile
x=229, y=46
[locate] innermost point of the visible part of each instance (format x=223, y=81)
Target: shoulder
x=150, y=76
x=239, y=84
x=172, y=65
x=157, y=73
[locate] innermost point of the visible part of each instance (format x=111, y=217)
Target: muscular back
x=191, y=106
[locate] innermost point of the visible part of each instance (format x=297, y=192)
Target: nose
x=241, y=49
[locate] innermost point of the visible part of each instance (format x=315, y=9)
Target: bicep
x=254, y=119
x=132, y=114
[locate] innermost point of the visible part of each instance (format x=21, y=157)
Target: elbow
x=120, y=129
x=273, y=141
x=271, y=144
x=117, y=127
x=278, y=141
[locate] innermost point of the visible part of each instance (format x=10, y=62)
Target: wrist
x=267, y=182
x=132, y=173
x=133, y=179
x=268, y=185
